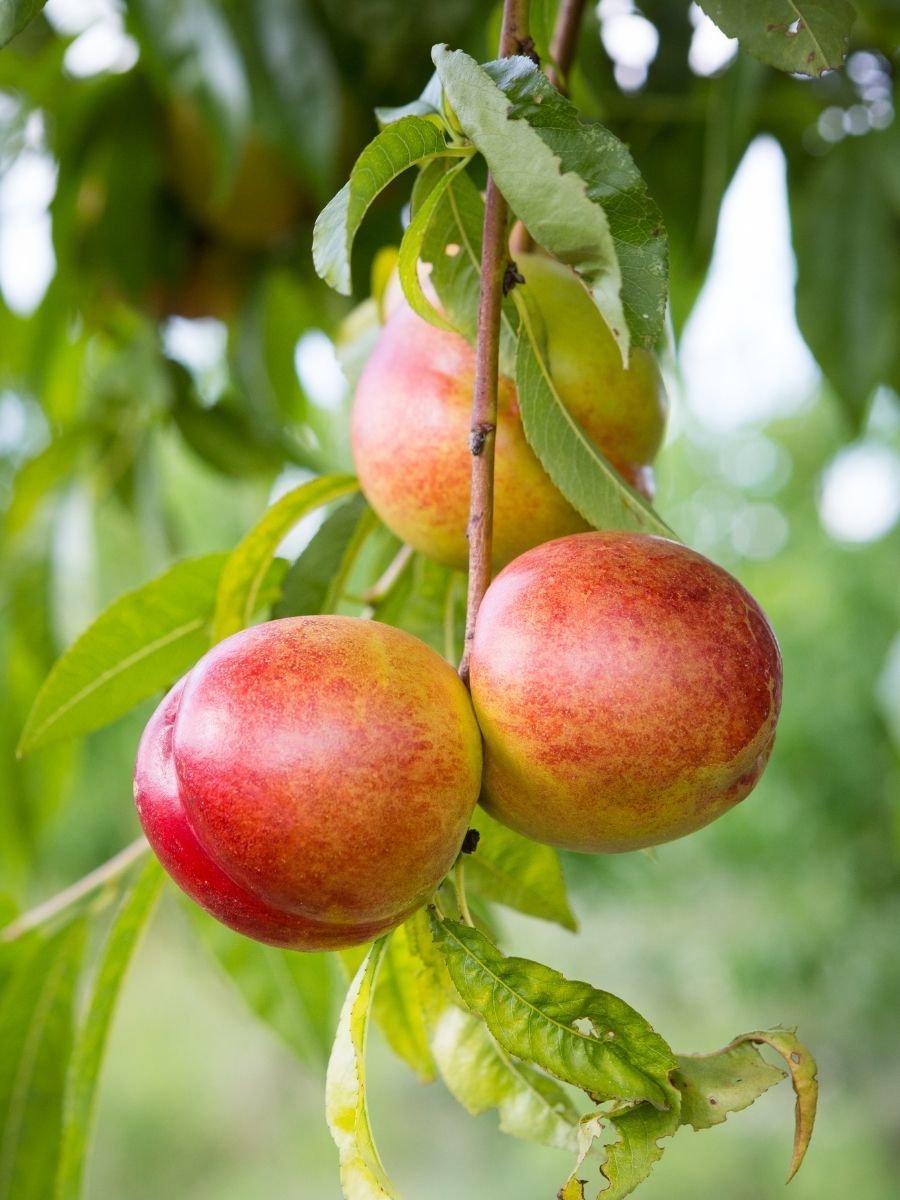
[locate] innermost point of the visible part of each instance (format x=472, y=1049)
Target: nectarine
x=411, y=413
x=627, y=689
x=311, y=780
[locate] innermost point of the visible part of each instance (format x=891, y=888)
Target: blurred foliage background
x=167, y=366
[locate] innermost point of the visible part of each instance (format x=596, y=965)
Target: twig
x=117, y=865
x=563, y=43
x=483, y=429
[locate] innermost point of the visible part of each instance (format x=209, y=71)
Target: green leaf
x=574, y=463
x=398, y=1007
x=714, y=1085
x=141, y=643
x=481, y=1076
x=803, y=1072
x=803, y=37
x=583, y=1036
x=246, y=566
x=36, y=1017
x=439, y=177
x=15, y=15
x=362, y=1174
x=135, y=910
x=552, y=201
x=400, y=145
x=428, y=104
x=611, y=180
x=458, y=221
x=309, y=581
x=636, y=1150
x=847, y=243
x=294, y=994
x=515, y=871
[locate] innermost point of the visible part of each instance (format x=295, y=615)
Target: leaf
x=36, y=1017
x=551, y=201
x=714, y=1085
x=246, y=566
x=583, y=1036
x=398, y=146
x=515, y=871
x=362, y=1174
x=803, y=1070
x=428, y=104
x=413, y=241
x=308, y=582
x=848, y=267
x=397, y=1007
x=141, y=643
x=458, y=221
x=636, y=1150
x=574, y=463
x=292, y=993
x=803, y=37
x=482, y=1076
x=15, y=15
x=135, y=910
x=611, y=180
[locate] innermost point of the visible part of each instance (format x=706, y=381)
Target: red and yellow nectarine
x=627, y=689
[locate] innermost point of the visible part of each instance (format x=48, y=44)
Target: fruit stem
x=483, y=430
x=384, y=585
x=116, y=866
x=563, y=43
x=459, y=884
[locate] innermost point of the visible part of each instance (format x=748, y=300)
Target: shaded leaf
x=245, y=568
x=574, y=463
x=143, y=642
x=15, y=15
x=36, y=1017
x=804, y=37
x=515, y=871
x=292, y=993
x=135, y=910
x=481, y=1076
x=583, y=1036
x=429, y=198
x=362, y=1174
x=398, y=146
x=309, y=580
x=551, y=201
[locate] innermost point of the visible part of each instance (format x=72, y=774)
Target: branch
x=563, y=43
x=483, y=429
x=117, y=865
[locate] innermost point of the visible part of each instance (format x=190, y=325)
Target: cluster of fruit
x=311, y=780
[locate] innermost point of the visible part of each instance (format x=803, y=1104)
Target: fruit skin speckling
x=412, y=412
x=310, y=781
x=627, y=689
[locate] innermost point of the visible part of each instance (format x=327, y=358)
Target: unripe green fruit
x=311, y=780
x=411, y=417
x=627, y=690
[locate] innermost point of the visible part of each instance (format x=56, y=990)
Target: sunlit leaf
x=574, y=463
x=515, y=871
x=552, y=202
x=714, y=1085
x=246, y=566
x=140, y=644
x=398, y=146
x=135, y=909
x=804, y=37
x=583, y=1036
x=362, y=1173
